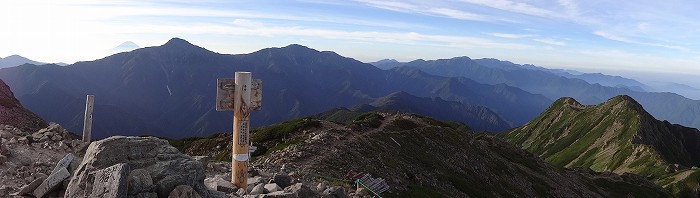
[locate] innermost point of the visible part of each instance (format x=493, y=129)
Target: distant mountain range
x=16, y=60
x=592, y=78
x=663, y=105
x=169, y=90
x=478, y=118
x=617, y=135
x=386, y=64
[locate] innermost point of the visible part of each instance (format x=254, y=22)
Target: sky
x=588, y=35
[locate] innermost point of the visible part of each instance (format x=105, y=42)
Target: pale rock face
x=111, y=182
x=272, y=187
x=166, y=166
x=258, y=189
x=219, y=184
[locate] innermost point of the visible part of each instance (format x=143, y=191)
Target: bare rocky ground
x=54, y=163
x=26, y=156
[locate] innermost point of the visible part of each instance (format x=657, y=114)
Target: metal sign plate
x=225, y=88
x=256, y=94
x=224, y=94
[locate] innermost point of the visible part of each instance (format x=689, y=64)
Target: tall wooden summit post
x=87, y=122
x=240, y=95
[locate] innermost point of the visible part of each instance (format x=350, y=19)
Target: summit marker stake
x=240, y=95
x=87, y=122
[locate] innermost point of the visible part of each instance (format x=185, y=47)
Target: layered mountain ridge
x=617, y=135
x=169, y=90
x=16, y=60
x=587, y=88
x=476, y=117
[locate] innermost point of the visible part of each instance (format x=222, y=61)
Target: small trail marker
x=240, y=95
x=87, y=122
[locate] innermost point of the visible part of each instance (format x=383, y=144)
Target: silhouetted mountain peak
x=298, y=48
x=177, y=42
x=180, y=46
x=16, y=56
x=384, y=61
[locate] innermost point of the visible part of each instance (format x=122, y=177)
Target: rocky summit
x=12, y=113
x=617, y=136
x=415, y=156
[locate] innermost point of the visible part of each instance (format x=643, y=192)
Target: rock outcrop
x=12, y=113
x=148, y=158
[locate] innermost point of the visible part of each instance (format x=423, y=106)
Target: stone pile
x=278, y=183
x=24, y=161
x=51, y=185
x=149, y=166
x=143, y=167
x=52, y=133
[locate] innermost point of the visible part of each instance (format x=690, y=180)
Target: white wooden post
x=240, y=95
x=87, y=122
x=241, y=125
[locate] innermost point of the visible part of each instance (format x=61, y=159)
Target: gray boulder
x=183, y=191
x=140, y=182
x=167, y=167
x=299, y=190
x=111, y=182
x=322, y=186
x=278, y=194
x=64, y=162
x=258, y=189
x=52, y=182
x=29, y=188
x=334, y=192
x=220, y=185
x=282, y=179
x=272, y=188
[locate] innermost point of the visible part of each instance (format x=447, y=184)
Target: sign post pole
x=241, y=125
x=87, y=122
x=240, y=95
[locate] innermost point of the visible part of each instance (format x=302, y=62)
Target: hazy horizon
x=618, y=38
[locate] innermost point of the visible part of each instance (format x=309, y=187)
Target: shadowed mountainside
x=169, y=90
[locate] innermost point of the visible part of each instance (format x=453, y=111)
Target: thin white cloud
x=550, y=41
x=425, y=10
x=391, y=5
x=571, y=8
x=115, y=9
x=615, y=37
x=456, y=14
x=511, y=36
x=511, y=6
